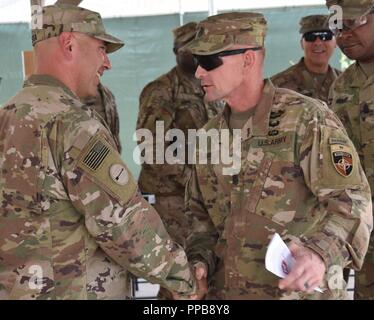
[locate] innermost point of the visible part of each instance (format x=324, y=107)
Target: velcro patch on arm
x=104, y=166
x=96, y=155
x=340, y=162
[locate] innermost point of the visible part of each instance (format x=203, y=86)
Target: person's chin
x=353, y=52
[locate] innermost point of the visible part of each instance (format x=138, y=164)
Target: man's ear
x=249, y=59
x=302, y=43
x=66, y=42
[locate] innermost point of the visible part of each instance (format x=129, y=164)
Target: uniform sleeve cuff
x=329, y=248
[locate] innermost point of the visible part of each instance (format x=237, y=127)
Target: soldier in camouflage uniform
x=352, y=99
x=104, y=103
x=177, y=99
x=300, y=176
x=72, y=221
x=312, y=75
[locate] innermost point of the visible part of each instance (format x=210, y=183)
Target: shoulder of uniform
x=302, y=107
x=347, y=75
x=106, y=92
x=284, y=76
x=75, y=123
x=161, y=85
x=44, y=101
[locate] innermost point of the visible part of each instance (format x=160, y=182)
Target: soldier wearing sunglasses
x=352, y=99
x=300, y=176
x=177, y=99
x=312, y=75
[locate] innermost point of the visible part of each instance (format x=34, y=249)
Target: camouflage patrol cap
x=69, y=18
x=185, y=33
x=314, y=23
x=352, y=9
x=220, y=32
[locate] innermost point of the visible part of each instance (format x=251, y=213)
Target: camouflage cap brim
x=352, y=9
x=113, y=43
x=354, y=13
x=204, y=46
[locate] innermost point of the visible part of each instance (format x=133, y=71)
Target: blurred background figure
x=177, y=99
x=312, y=75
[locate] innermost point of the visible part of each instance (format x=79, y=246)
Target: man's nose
x=200, y=72
x=107, y=65
x=318, y=41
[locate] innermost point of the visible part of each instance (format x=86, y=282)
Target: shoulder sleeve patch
x=342, y=159
x=104, y=166
x=340, y=162
x=96, y=155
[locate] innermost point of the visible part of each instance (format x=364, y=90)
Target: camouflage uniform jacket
x=352, y=99
x=299, y=79
x=178, y=101
x=71, y=218
x=288, y=184
x=105, y=105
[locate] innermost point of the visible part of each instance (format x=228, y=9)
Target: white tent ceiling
x=19, y=10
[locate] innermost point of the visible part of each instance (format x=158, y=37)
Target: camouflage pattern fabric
x=184, y=33
x=72, y=220
x=299, y=79
x=314, y=22
x=220, y=32
x=352, y=99
x=105, y=105
x=293, y=181
x=178, y=101
x=69, y=18
x=352, y=9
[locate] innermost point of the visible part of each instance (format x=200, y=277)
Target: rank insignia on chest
x=342, y=159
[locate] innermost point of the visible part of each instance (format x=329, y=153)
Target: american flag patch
x=96, y=156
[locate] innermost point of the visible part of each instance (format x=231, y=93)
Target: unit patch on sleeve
x=342, y=159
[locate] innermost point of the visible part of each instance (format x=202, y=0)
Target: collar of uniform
x=258, y=124
x=309, y=74
x=358, y=76
x=47, y=80
x=368, y=78
x=261, y=118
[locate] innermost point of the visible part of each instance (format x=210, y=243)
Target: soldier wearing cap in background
x=312, y=75
x=291, y=180
x=104, y=103
x=177, y=99
x=72, y=221
x=352, y=99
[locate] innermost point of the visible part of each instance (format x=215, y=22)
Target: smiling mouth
x=344, y=47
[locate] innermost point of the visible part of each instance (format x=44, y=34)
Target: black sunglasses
x=322, y=35
x=213, y=61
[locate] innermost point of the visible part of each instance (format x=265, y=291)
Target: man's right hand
x=202, y=283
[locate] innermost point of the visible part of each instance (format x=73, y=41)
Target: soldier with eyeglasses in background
x=312, y=75
x=352, y=99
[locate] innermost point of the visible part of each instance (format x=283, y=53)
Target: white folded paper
x=279, y=259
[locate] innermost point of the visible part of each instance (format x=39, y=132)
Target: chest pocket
x=278, y=189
